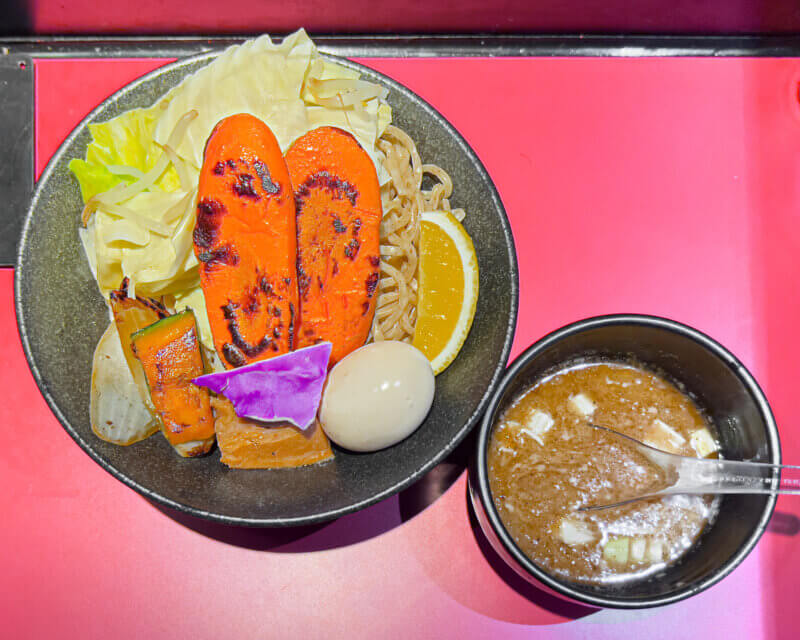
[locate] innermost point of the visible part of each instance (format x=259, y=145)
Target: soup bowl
x=717, y=381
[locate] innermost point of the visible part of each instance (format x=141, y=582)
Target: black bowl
x=61, y=316
x=721, y=385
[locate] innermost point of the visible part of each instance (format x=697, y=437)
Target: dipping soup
x=545, y=462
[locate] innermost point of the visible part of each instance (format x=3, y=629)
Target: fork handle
x=731, y=476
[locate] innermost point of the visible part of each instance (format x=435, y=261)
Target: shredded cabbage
x=139, y=177
x=289, y=86
x=137, y=236
x=193, y=299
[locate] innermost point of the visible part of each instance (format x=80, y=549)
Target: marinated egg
x=377, y=396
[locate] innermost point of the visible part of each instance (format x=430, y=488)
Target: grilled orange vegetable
x=170, y=355
x=130, y=316
x=338, y=203
x=246, y=444
x=245, y=240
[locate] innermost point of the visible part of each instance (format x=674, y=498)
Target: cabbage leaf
x=124, y=141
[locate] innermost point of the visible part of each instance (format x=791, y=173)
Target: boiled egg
x=376, y=396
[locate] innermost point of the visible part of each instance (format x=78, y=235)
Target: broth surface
x=545, y=462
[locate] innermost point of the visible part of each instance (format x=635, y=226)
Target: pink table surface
x=665, y=186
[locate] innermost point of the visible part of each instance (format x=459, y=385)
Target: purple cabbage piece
x=286, y=387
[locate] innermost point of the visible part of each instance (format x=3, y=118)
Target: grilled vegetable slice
x=245, y=240
x=338, y=203
x=246, y=444
x=117, y=413
x=132, y=315
x=170, y=355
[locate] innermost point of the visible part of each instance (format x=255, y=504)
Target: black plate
x=61, y=316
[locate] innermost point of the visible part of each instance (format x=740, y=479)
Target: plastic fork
x=688, y=475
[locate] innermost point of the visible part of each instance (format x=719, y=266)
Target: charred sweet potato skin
x=169, y=351
x=245, y=240
x=338, y=204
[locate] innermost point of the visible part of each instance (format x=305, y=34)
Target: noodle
x=404, y=200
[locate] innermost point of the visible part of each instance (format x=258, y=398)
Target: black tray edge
x=421, y=45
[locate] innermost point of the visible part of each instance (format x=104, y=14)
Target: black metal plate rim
x=271, y=522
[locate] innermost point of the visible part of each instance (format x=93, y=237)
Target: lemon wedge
x=448, y=288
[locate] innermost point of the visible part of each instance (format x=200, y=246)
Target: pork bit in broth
x=545, y=462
